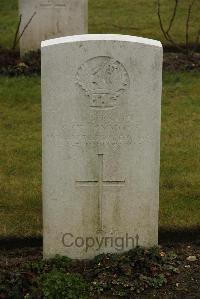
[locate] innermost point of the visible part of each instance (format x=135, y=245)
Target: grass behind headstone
x=20, y=152
x=138, y=17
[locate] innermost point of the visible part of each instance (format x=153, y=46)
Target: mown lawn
x=20, y=154
x=180, y=148
x=134, y=17
x=20, y=125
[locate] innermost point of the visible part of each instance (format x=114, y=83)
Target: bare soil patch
x=184, y=284
x=180, y=62
x=11, y=64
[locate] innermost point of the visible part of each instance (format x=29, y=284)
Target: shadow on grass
x=179, y=236
x=165, y=237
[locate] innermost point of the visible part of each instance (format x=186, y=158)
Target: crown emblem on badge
x=103, y=80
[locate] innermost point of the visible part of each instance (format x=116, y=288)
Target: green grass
x=8, y=22
x=20, y=152
x=139, y=17
x=134, y=17
x=20, y=157
x=180, y=148
x=20, y=126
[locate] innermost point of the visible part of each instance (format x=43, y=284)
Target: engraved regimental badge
x=103, y=80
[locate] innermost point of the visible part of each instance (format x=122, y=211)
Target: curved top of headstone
x=100, y=37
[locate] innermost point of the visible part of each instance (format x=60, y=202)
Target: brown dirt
x=11, y=64
x=179, y=62
x=185, y=284
x=8, y=57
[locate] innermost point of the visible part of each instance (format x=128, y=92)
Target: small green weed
x=59, y=263
x=57, y=285
x=131, y=272
x=124, y=274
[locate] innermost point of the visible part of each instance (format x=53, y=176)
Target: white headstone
x=101, y=98
x=50, y=19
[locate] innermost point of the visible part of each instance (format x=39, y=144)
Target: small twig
x=166, y=33
x=25, y=27
x=185, y=49
x=160, y=21
x=173, y=16
x=187, y=26
x=17, y=32
x=196, y=42
x=170, y=39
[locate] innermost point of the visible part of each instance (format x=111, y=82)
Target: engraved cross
x=100, y=183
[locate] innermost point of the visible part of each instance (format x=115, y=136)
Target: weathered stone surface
x=101, y=98
x=50, y=19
